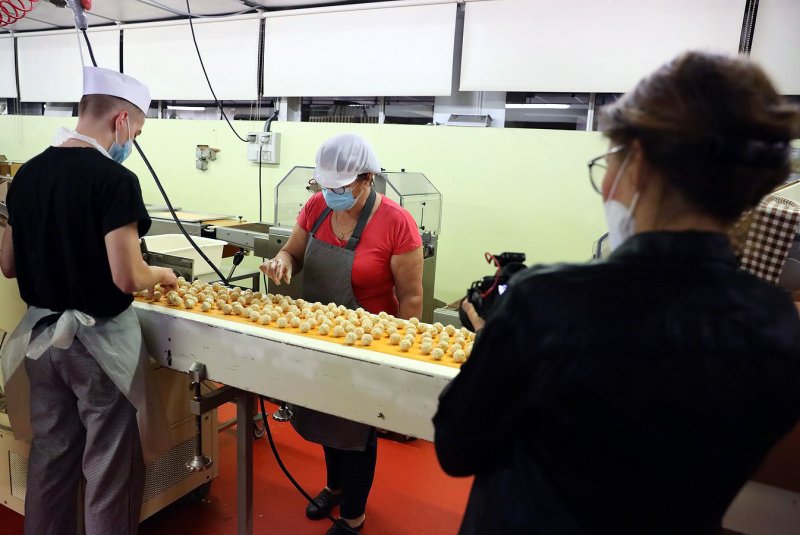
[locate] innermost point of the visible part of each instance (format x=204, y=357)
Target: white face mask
x=619, y=217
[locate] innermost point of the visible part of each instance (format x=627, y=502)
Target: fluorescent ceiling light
x=186, y=108
x=537, y=106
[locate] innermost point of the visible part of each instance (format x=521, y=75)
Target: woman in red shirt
x=358, y=249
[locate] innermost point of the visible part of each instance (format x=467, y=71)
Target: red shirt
x=391, y=231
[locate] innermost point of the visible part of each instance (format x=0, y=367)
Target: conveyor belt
x=376, y=387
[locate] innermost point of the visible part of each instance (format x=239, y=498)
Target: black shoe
x=343, y=528
x=323, y=504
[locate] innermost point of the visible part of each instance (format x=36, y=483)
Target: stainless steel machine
x=412, y=191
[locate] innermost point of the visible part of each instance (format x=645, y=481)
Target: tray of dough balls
x=436, y=343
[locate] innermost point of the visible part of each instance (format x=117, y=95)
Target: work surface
x=379, y=388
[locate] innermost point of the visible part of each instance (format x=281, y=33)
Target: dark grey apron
x=327, y=277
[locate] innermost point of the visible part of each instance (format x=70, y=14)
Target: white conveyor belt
x=394, y=393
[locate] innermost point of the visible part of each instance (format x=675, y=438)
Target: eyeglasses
x=314, y=187
x=598, y=167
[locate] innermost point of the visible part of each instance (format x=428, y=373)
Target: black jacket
x=630, y=396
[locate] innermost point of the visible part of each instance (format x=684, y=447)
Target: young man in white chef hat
x=77, y=377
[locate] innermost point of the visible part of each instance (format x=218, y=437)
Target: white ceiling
x=46, y=16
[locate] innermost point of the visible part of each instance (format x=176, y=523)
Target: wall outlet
x=267, y=144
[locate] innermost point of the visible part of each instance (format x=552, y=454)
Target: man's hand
x=477, y=321
x=277, y=270
x=168, y=280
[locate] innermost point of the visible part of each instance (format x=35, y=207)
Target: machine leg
x=245, y=405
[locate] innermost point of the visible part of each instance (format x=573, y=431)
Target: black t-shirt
x=61, y=205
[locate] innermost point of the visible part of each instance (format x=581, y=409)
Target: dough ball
x=459, y=356
x=312, y=322
x=395, y=338
x=405, y=345
x=274, y=315
x=349, y=327
x=205, y=307
x=282, y=323
x=305, y=327
x=156, y=296
x=189, y=304
x=295, y=322
x=265, y=320
x=350, y=338
x=414, y=321
x=450, y=330
x=366, y=340
x=426, y=348
x=227, y=309
x=377, y=333
x=437, y=354
x=324, y=329
x=360, y=332
x=338, y=331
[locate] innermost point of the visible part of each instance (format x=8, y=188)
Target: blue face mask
x=337, y=202
x=119, y=152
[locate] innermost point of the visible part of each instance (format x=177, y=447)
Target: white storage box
x=178, y=245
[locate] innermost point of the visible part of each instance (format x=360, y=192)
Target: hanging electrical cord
x=89, y=46
x=292, y=480
x=174, y=11
x=202, y=65
x=222, y=277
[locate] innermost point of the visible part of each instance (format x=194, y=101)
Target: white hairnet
x=342, y=158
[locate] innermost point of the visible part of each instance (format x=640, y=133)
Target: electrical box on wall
x=267, y=144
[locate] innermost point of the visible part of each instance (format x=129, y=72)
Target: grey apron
x=327, y=277
x=117, y=346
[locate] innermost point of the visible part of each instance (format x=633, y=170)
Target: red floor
x=410, y=495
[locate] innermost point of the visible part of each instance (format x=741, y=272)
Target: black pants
x=352, y=472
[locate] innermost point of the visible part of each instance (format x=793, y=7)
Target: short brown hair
x=100, y=105
x=714, y=126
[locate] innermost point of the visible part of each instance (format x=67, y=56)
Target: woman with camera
x=358, y=249
x=639, y=393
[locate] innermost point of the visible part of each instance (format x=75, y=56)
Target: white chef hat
x=342, y=158
x=99, y=81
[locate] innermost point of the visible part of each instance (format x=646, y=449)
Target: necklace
x=341, y=234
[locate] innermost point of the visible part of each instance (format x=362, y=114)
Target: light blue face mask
x=337, y=202
x=119, y=152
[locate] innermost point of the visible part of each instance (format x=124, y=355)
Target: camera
x=485, y=292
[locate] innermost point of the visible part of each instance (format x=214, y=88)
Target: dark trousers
x=83, y=426
x=352, y=472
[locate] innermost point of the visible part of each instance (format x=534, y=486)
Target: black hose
x=89, y=46
x=283, y=468
x=222, y=277
x=197, y=48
